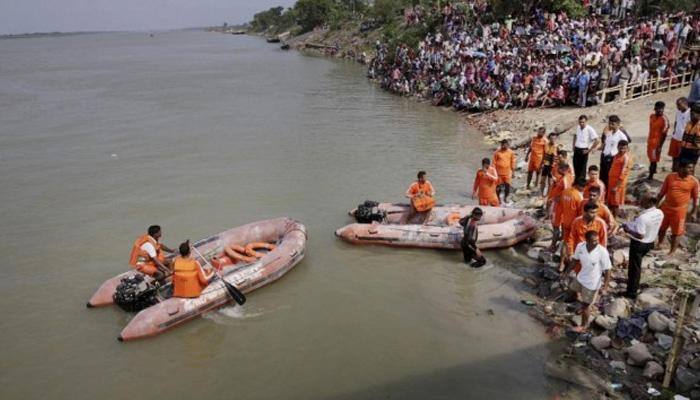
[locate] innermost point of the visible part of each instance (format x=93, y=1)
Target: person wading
x=678, y=190
x=504, y=161
x=643, y=231
x=612, y=135
x=422, y=195
x=658, y=129
x=682, y=119
x=470, y=251
x=147, y=254
x=535, y=155
x=594, y=262
x=485, y=184
x=585, y=141
x=189, y=279
x=619, y=172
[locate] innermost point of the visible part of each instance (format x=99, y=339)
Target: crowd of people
x=542, y=60
x=583, y=201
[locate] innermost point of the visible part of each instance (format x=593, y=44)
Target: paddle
x=232, y=291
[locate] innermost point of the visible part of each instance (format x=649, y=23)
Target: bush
x=312, y=13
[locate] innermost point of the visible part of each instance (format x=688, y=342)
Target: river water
x=102, y=135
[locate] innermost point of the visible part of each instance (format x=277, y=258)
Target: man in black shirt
x=471, y=236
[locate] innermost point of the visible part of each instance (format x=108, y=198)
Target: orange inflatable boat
x=285, y=242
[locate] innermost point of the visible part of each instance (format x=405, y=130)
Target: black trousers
x=634, y=270
x=469, y=252
x=580, y=162
x=605, y=164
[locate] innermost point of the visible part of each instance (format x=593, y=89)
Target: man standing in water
x=471, y=236
x=147, y=254
x=421, y=193
x=504, y=161
x=594, y=261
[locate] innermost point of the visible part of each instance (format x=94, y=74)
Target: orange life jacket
x=139, y=256
x=188, y=280
x=423, y=203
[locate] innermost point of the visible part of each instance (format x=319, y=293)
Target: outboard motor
x=133, y=293
x=368, y=212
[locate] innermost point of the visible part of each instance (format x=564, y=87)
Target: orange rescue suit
x=188, y=278
x=658, y=128
x=422, y=196
x=485, y=186
x=538, y=145
x=619, y=171
x=678, y=193
x=504, y=161
x=567, y=208
x=140, y=260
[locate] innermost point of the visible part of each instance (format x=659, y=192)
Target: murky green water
x=102, y=135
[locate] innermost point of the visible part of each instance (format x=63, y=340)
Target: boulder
x=638, y=354
x=664, y=341
x=685, y=379
x=619, y=365
x=600, y=342
x=648, y=300
x=695, y=363
x=550, y=274
x=619, y=308
x=534, y=253
x=606, y=322
x=620, y=257
x=652, y=369
x=658, y=322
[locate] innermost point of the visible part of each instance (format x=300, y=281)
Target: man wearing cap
x=585, y=141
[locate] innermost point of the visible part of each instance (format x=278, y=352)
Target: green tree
x=312, y=13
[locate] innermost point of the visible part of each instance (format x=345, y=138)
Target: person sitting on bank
x=422, y=195
x=147, y=254
x=485, y=184
x=470, y=251
x=594, y=262
x=189, y=279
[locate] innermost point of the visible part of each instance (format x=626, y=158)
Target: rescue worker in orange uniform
x=553, y=197
x=619, y=172
x=535, y=155
x=562, y=157
x=147, y=254
x=690, y=146
x=658, y=129
x=189, y=279
x=422, y=195
x=589, y=221
x=485, y=184
x=594, y=181
x=678, y=190
x=603, y=211
x=567, y=210
x=504, y=161
x=549, y=163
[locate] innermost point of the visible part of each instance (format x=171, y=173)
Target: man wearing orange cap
x=619, y=172
x=535, y=154
x=504, y=161
x=658, y=129
x=678, y=189
x=485, y=184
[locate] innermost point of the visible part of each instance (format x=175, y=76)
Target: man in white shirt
x=643, y=232
x=682, y=119
x=612, y=135
x=585, y=141
x=595, y=261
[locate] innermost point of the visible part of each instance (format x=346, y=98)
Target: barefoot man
x=504, y=161
x=678, y=190
x=619, y=172
x=535, y=155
